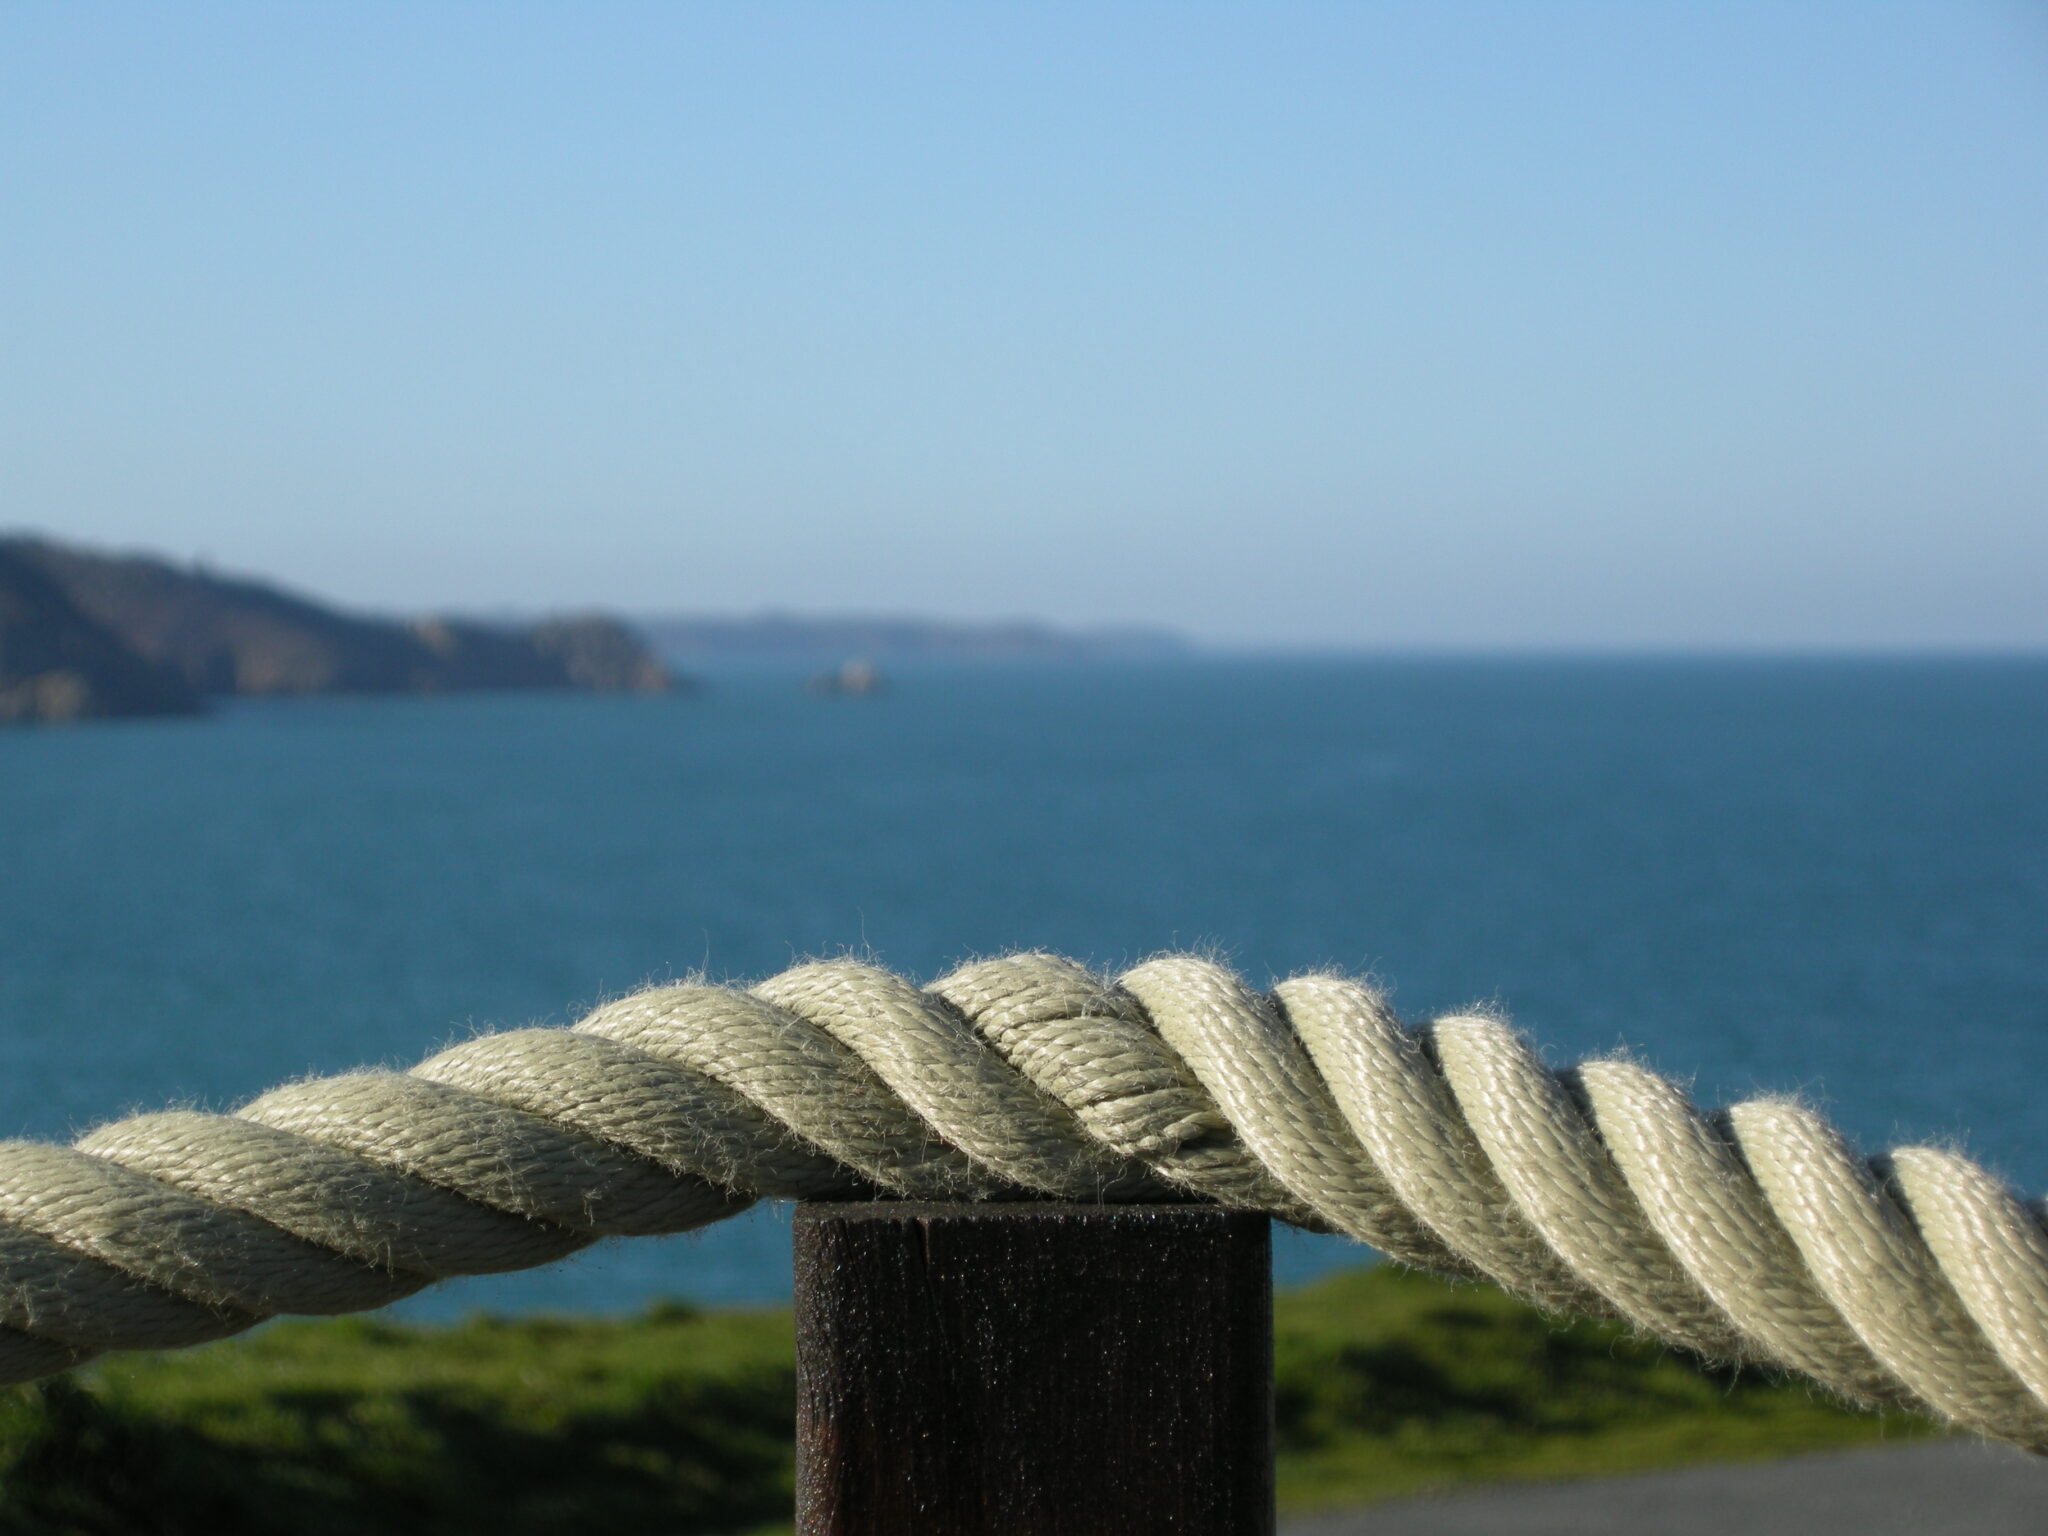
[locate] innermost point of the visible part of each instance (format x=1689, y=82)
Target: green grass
x=674, y=1422
x=1388, y=1383
x=679, y=1421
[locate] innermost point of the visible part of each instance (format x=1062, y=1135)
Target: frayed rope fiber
x=1755, y=1235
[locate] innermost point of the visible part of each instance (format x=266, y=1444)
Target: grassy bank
x=679, y=1421
x=1388, y=1383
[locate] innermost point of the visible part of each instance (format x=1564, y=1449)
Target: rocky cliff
x=223, y=635
x=56, y=663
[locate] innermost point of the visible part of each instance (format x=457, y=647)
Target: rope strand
x=1754, y=1236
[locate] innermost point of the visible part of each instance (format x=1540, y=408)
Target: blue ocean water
x=1828, y=876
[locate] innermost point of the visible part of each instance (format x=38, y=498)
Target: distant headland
x=829, y=640
x=89, y=634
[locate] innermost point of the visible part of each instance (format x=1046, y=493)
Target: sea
x=1822, y=876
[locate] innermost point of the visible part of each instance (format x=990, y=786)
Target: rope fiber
x=1751, y=1236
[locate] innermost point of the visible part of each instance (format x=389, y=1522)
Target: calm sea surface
x=1823, y=876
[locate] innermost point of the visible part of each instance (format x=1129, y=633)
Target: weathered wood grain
x=1033, y=1370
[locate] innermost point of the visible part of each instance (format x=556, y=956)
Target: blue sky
x=1605, y=325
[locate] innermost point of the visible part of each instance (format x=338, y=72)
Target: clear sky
x=1432, y=324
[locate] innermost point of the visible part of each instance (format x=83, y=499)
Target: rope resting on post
x=1914, y=1280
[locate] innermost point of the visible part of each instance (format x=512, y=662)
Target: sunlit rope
x=1755, y=1235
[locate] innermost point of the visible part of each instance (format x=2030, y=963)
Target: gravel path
x=1953, y=1488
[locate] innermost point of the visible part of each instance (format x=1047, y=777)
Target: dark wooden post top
x=1033, y=1370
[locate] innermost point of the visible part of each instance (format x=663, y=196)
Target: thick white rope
x=1754, y=1236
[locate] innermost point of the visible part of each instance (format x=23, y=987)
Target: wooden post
x=1033, y=1370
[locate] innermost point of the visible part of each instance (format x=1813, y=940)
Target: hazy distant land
x=822, y=640
x=58, y=663
x=85, y=633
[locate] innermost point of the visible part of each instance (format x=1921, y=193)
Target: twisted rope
x=1755, y=1235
